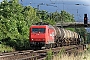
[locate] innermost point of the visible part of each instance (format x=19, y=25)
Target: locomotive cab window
x=37, y=30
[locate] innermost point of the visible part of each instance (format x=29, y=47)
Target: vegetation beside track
x=84, y=55
x=4, y=48
x=81, y=56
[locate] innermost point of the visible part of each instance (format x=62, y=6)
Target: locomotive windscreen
x=37, y=30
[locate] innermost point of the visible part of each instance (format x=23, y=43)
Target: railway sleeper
x=30, y=58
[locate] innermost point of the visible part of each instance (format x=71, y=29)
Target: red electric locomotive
x=41, y=35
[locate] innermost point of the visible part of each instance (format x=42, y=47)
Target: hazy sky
x=68, y=5
x=1, y=0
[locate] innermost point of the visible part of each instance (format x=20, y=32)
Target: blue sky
x=68, y=5
x=1, y=0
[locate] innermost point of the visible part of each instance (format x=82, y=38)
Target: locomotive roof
x=49, y=26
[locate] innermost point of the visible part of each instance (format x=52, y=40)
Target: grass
x=4, y=48
x=80, y=56
x=85, y=55
x=49, y=55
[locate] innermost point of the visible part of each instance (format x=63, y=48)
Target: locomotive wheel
x=60, y=45
x=47, y=46
x=52, y=45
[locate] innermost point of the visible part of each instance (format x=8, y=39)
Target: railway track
x=39, y=54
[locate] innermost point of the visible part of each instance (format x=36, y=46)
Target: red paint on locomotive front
x=35, y=34
x=46, y=34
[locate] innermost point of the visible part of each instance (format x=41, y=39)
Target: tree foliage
x=62, y=16
x=15, y=21
x=66, y=17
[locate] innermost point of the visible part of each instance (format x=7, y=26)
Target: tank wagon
x=51, y=36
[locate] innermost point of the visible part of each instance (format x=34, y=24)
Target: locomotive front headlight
x=32, y=39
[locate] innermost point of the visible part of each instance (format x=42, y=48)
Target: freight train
x=49, y=36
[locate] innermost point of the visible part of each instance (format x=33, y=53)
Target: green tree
x=62, y=16
x=45, y=17
x=30, y=15
x=66, y=17
x=15, y=21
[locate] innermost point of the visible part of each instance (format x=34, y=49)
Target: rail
x=39, y=54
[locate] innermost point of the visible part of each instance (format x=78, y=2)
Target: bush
x=18, y=44
x=4, y=48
